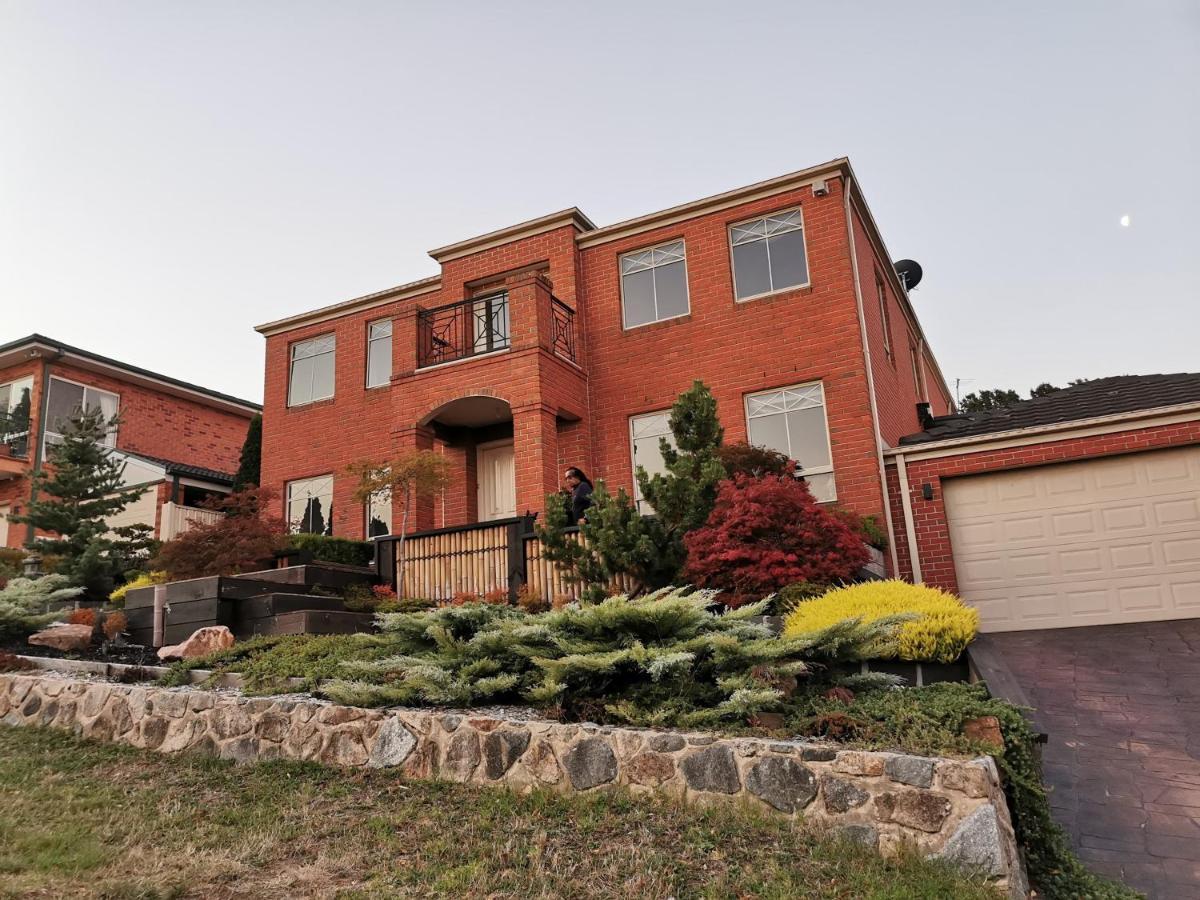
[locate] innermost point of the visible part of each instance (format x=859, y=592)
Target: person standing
x=579, y=490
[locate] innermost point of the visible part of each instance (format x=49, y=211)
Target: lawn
x=82, y=819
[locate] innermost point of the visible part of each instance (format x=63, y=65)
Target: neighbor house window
x=379, y=353
x=768, y=254
x=792, y=421
x=881, y=293
x=645, y=434
x=15, y=406
x=310, y=505
x=311, y=376
x=654, y=284
x=67, y=399
x=379, y=514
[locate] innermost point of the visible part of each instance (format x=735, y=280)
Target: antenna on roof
x=910, y=273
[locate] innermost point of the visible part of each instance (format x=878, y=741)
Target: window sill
x=793, y=289
x=626, y=329
x=324, y=401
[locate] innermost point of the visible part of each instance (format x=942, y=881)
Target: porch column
x=535, y=449
x=421, y=514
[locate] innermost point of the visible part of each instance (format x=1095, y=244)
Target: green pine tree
x=73, y=498
x=250, y=463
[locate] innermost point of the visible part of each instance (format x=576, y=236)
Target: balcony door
x=496, y=473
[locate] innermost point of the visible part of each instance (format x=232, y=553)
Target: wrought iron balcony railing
x=563, y=340
x=463, y=329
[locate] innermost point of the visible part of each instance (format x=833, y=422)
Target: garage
x=1079, y=507
x=1097, y=542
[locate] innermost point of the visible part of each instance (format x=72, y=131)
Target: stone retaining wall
x=946, y=808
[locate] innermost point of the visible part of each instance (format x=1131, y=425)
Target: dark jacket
x=578, y=502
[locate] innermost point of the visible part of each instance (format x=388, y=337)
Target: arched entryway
x=475, y=433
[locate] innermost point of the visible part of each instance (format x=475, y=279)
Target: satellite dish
x=909, y=271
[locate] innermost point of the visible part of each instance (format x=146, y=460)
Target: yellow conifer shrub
x=943, y=627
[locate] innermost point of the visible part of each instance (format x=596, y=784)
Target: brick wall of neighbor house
x=929, y=516
x=565, y=414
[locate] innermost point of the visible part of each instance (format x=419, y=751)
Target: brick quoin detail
x=929, y=516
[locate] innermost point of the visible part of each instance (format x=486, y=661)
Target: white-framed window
x=768, y=254
x=311, y=375
x=310, y=505
x=792, y=420
x=379, y=353
x=918, y=381
x=645, y=433
x=654, y=284
x=67, y=399
x=884, y=317
x=378, y=511
x=16, y=406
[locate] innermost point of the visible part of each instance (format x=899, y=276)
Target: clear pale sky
x=172, y=174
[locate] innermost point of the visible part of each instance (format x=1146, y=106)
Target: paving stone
x=783, y=783
x=589, y=763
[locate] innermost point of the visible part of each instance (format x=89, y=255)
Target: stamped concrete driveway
x=1121, y=705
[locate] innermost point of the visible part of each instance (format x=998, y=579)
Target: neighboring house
x=179, y=440
x=1078, y=508
x=555, y=342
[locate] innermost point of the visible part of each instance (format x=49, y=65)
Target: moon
x=1125, y=221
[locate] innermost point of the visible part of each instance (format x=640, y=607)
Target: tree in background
x=405, y=480
x=250, y=463
x=75, y=496
x=244, y=539
x=1002, y=398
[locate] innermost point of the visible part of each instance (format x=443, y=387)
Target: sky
x=173, y=174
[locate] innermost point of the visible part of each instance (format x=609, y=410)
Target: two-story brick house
x=555, y=342
x=179, y=440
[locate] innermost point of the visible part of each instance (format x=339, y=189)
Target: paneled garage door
x=1088, y=543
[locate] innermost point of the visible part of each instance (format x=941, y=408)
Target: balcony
x=14, y=455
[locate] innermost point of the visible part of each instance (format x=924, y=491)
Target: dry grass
x=79, y=819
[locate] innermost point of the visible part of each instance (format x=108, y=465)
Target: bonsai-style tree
x=240, y=541
x=250, y=462
x=75, y=496
x=405, y=479
x=617, y=539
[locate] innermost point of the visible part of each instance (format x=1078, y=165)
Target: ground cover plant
x=24, y=604
x=98, y=820
x=939, y=628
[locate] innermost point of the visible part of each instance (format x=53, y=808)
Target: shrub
x=145, y=579
x=340, y=550
x=791, y=596
x=405, y=604
x=866, y=527
x=531, y=600
x=942, y=627
x=85, y=615
x=241, y=541
x=360, y=598
x=114, y=624
x=24, y=603
x=766, y=533
x=10, y=662
x=747, y=459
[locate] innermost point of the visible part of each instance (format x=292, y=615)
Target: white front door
x=497, y=474
x=3, y=526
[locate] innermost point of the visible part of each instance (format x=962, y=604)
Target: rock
x=392, y=745
x=273, y=727
x=713, y=770
x=344, y=748
x=651, y=769
x=460, y=756
x=338, y=715
x=856, y=762
x=543, y=763
x=842, y=795
x=965, y=778
x=228, y=721
x=501, y=749
x=240, y=750
x=914, y=770
x=783, y=783
x=589, y=763
x=985, y=729
x=666, y=743
x=154, y=731
x=867, y=835
x=202, y=642
x=32, y=704
x=916, y=809
x=450, y=722
x=700, y=740
x=976, y=844
x=68, y=638
x=813, y=753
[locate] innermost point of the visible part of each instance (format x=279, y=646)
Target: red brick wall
x=930, y=520
x=14, y=492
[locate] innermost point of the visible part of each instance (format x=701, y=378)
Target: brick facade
x=565, y=413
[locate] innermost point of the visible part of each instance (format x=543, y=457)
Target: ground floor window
x=379, y=514
x=645, y=432
x=310, y=505
x=792, y=420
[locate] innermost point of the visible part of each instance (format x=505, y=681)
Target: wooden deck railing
x=477, y=559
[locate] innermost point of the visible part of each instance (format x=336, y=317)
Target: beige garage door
x=1087, y=543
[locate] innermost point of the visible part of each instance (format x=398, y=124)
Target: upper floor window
x=769, y=254
x=645, y=434
x=15, y=406
x=379, y=353
x=654, y=284
x=792, y=421
x=311, y=375
x=310, y=505
x=67, y=399
x=881, y=293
